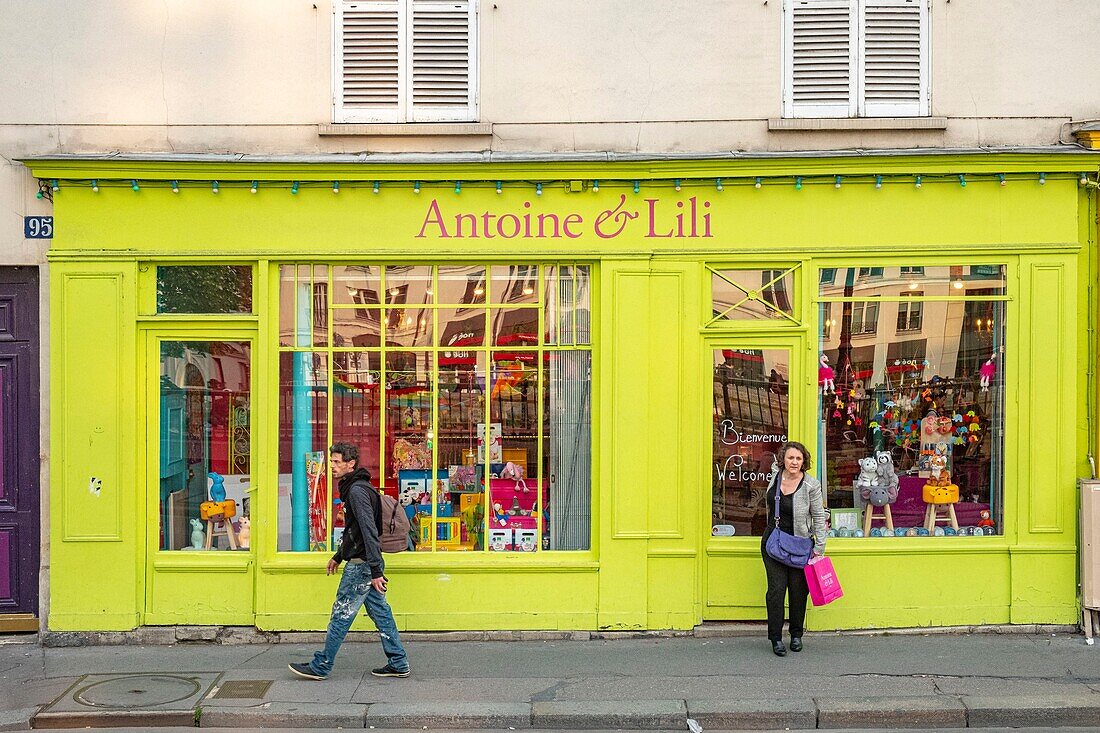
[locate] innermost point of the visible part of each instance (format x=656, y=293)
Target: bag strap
x=779, y=490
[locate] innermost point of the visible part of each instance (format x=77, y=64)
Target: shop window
x=204, y=289
x=752, y=294
x=928, y=409
x=951, y=280
x=205, y=445
x=472, y=408
x=909, y=313
x=856, y=58
x=751, y=412
x=405, y=61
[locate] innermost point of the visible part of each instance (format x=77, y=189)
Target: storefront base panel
x=93, y=621
x=193, y=617
x=516, y=621
x=1044, y=586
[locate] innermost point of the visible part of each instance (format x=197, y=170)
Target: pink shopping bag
x=824, y=585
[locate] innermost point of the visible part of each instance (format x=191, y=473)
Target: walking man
x=362, y=582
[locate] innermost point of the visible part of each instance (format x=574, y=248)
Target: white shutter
x=820, y=58
x=442, y=67
x=369, y=35
x=893, y=58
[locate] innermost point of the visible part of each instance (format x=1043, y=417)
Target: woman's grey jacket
x=809, y=513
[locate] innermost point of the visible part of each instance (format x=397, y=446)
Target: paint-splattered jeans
x=355, y=590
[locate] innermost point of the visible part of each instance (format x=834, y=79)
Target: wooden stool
x=869, y=515
x=932, y=516
x=225, y=531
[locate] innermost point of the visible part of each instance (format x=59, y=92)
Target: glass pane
x=409, y=327
x=751, y=412
x=356, y=406
x=581, y=309
x=205, y=444
x=287, y=286
x=409, y=284
x=566, y=450
x=353, y=327
x=752, y=294
x=863, y=282
x=515, y=284
x=461, y=284
x=408, y=425
x=318, y=291
x=204, y=289
x=356, y=285
x=928, y=401
x=461, y=415
x=303, y=451
x=515, y=326
x=513, y=422
x=461, y=328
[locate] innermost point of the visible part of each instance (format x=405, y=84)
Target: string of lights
x=51, y=187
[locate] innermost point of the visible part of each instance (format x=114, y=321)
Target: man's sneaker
x=389, y=671
x=304, y=670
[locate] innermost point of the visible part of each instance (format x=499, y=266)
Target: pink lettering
x=570, y=221
x=434, y=217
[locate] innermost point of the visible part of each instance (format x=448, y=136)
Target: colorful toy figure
x=985, y=520
x=244, y=534
x=217, y=487
x=986, y=373
x=868, y=472
x=826, y=377
x=499, y=515
x=198, y=539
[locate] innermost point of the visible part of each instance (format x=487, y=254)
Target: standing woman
x=801, y=513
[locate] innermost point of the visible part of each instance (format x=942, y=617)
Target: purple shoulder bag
x=786, y=548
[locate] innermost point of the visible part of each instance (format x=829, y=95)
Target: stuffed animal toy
x=986, y=374
x=868, y=472
x=217, y=487
x=938, y=464
x=878, y=495
x=985, y=520
x=858, y=391
x=514, y=472
x=197, y=536
x=244, y=534
x=826, y=377
x=500, y=515
x=886, y=475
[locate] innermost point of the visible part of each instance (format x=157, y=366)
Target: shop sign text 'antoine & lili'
x=685, y=219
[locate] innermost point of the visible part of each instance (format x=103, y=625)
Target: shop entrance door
x=19, y=441
x=199, y=468
x=758, y=389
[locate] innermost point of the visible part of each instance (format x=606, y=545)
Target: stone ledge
x=770, y=714
x=285, y=715
x=1023, y=711
x=610, y=715
x=842, y=124
x=427, y=129
x=891, y=712
x=449, y=714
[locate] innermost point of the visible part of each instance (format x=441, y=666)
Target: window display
x=912, y=418
x=205, y=445
x=466, y=387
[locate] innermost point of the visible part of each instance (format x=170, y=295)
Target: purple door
x=19, y=440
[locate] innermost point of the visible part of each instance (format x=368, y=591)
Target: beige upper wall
x=254, y=75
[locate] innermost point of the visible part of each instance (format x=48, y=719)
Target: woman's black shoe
x=796, y=644
x=779, y=649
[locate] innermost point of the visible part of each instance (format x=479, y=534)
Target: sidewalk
x=723, y=682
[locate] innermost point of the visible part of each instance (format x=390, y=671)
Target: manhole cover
x=243, y=688
x=115, y=692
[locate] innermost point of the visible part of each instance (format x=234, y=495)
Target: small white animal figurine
x=244, y=534
x=197, y=536
x=868, y=472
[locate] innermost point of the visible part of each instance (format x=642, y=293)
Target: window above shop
x=856, y=58
x=751, y=294
x=405, y=61
x=204, y=289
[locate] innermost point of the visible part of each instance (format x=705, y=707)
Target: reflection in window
x=752, y=294
x=864, y=318
x=931, y=395
x=750, y=416
x=204, y=289
x=205, y=445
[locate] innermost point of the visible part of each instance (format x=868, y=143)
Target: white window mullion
x=405, y=42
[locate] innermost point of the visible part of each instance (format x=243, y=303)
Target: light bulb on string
x=637, y=187
x=759, y=182
x=718, y=185
x=837, y=184
x=377, y=186
x=595, y=186
x=175, y=186
x=336, y=187
x=798, y=183
x=134, y=185
x=962, y=180
x=500, y=186
x=95, y=186
x=878, y=181
x=1002, y=179
x=213, y=187
x=294, y=187
x=918, y=182
x=54, y=186
x=255, y=187
x=416, y=186
x=676, y=184
x=538, y=189
x=458, y=187
x=1083, y=180
x=1042, y=179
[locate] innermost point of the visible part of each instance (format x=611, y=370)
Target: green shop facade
x=573, y=376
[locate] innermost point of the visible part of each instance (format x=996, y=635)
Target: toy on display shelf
x=986, y=520
x=198, y=539
x=878, y=488
x=499, y=515
x=244, y=534
x=826, y=377
x=317, y=481
x=986, y=373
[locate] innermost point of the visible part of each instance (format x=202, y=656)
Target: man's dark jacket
x=362, y=521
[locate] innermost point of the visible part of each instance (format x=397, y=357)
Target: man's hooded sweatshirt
x=362, y=521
